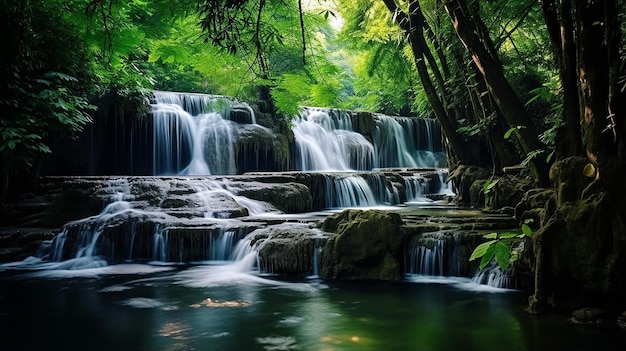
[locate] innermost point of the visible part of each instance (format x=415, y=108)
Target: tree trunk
x=558, y=18
x=413, y=26
x=586, y=250
x=505, y=97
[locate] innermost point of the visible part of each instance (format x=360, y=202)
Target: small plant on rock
x=501, y=246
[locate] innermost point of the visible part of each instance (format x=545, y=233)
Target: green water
x=144, y=309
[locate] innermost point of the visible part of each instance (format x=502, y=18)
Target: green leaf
x=492, y=184
x=503, y=255
x=509, y=132
x=491, y=236
x=527, y=230
x=549, y=157
x=487, y=257
x=481, y=249
x=508, y=235
x=485, y=186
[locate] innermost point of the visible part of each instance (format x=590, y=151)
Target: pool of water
x=208, y=307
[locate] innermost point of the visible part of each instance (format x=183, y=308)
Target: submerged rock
x=590, y=317
x=367, y=245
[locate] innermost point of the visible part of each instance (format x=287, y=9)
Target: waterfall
x=356, y=190
x=434, y=254
x=407, y=142
x=415, y=187
x=121, y=232
x=191, y=136
x=493, y=276
x=426, y=260
x=317, y=249
x=159, y=248
x=325, y=141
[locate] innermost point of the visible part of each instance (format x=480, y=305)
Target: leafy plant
x=488, y=192
x=500, y=246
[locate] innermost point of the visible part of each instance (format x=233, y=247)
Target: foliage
x=501, y=247
x=384, y=75
x=488, y=192
x=45, y=82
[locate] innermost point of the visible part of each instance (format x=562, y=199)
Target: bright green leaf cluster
x=500, y=247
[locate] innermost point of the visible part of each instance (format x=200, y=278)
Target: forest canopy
x=490, y=71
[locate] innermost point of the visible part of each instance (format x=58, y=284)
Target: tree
x=587, y=227
x=509, y=104
x=45, y=86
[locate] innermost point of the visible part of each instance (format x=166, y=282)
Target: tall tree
x=580, y=248
x=413, y=25
x=503, y=93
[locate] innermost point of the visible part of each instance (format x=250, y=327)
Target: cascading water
x=437, y=255
x=426, y=260
x=129, y=229
x=356, y=190
x=407, y=142
x=193, y=135
x=325, y=141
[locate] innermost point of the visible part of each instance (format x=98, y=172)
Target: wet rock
x=580, y=253
x=367, y=245
x=261, y=149
x=240, y=114
x=536, y=204
x=505, y=192
x=289, y=197
x=590, y=317
x=288, y=248
x=19, y=243
x=463, y=177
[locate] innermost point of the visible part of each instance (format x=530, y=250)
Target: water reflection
x=156, y=312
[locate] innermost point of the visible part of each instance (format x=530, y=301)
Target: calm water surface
x=141, y=307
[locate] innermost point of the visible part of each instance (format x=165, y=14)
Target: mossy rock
x=568, y=176
x=581, y=254
x=367, y=245
x=463, y=177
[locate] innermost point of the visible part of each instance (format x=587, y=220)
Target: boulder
x=367, y=245
x=288, y=248
x=590, y=317
x=463, y=177
x=580, y=255
x=536, y=204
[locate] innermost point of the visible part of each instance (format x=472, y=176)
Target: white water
x=191, y=136
x=427, y=260
x=87, y=243
x=438, y=261
x=328, y=143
